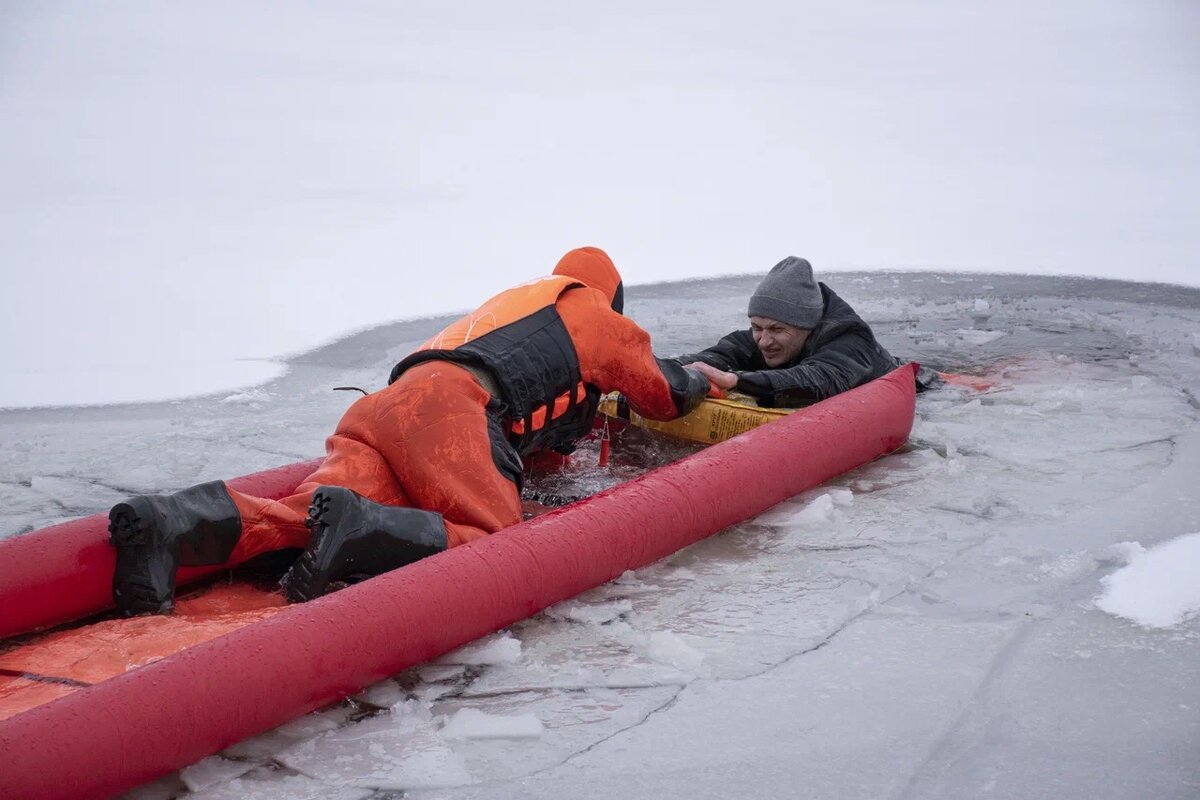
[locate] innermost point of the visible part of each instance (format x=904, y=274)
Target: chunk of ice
x=471, y=723
x=502, y=648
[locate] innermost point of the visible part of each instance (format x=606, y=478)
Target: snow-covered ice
x=954, y=620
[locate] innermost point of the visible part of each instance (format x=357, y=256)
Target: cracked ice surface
x=925, y=626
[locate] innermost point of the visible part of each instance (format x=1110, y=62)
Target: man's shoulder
x=834, y=302
x=840, y=318
x=740, y=336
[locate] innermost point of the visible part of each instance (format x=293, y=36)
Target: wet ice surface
x=926, y=626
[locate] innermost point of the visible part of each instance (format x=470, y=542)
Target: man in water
x=434, y=459
x=804, y=344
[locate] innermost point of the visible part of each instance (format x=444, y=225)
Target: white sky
x=182, y=186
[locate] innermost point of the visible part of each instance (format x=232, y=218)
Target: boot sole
x=133, y=590
x=301, y=583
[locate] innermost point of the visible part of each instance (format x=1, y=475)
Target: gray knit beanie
x=789, y=294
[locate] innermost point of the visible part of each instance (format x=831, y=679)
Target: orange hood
x=592, y=267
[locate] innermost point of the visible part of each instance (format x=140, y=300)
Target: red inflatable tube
x=65, y=572
x=129, y=730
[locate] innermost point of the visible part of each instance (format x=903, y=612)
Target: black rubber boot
x=354, y=538
x=154, y=534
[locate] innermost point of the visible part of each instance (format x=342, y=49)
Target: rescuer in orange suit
x=434, y=459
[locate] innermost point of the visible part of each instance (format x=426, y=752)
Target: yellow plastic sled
x=711, y=422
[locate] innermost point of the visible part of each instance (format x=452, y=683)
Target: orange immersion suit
x=520, y=374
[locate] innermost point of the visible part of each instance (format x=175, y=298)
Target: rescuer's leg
x=154, y=534
x=354, y=538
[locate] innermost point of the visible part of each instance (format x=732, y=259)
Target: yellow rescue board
x=711, y=422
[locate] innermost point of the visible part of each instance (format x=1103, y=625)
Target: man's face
x=778, y=342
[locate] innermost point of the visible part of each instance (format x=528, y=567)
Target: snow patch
x=1160, y=587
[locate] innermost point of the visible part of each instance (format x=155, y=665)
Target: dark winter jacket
x=840, y=353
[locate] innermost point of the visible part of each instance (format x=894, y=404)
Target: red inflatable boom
x=65, y=572
x=134, y=728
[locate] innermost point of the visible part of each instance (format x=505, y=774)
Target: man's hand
x=720, y=378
